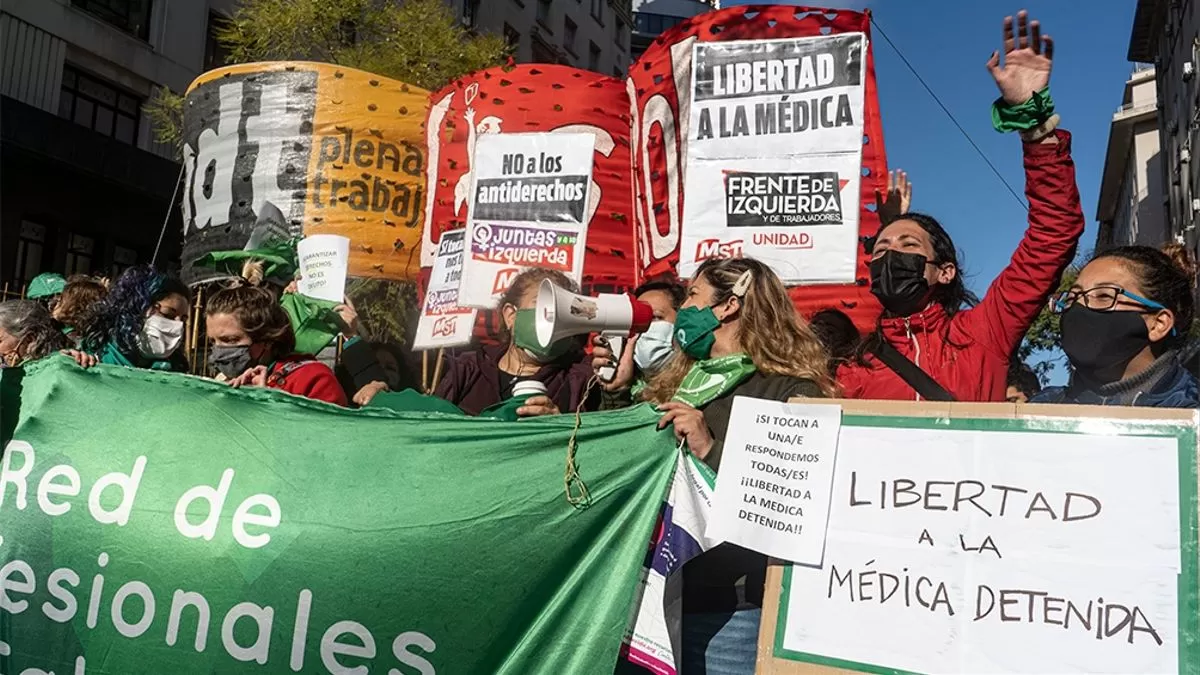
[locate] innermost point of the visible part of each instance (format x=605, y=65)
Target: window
x=569, y=29
x=598, y=11
x=512, y=37
x=30, y=245
x=619, y=33
x=470, y=13
x=122, y=259
x=593, y=57
x=543, y=13
x=215, y=54
x=79, y=254
x=654, y=24
x=131, y=16
x=99, y=106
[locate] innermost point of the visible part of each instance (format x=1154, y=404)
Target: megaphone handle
x=616, y=345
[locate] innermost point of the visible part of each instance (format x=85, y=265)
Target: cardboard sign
x=967, y=538
x=443, y=322
x=773, y=491
x=324, y=259
x=529, y=208
x=321, y=148
x=774, y=151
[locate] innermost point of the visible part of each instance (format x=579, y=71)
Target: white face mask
x=655, y=346
x=160, y=337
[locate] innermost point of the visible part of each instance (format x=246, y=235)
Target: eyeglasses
x=1099, y=298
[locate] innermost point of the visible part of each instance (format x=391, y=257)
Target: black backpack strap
x=918, y=379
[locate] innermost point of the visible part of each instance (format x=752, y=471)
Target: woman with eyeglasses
x=140, y=324
x=1124, y=323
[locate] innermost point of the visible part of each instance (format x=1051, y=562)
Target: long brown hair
x=257, y=311
x=770, y=331
x=79, y=300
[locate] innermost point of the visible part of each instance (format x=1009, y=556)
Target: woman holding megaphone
x=478, y=380
x=736, y=334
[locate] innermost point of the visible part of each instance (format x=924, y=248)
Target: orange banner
x=291, y=148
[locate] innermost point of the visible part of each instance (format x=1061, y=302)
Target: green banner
x=161, y=523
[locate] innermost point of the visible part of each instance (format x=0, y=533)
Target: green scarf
x=1023, y=116
x=313, y=321
x=713, y=378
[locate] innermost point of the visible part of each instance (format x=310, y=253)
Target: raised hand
x=895, y=202
x=1028, y=56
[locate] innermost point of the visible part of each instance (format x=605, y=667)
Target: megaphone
x=615, y=317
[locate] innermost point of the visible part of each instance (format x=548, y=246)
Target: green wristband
x=1023, y=116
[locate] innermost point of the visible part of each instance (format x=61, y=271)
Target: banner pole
x=425, y=371
x=437, y=369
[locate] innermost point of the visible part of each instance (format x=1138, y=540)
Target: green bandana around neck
x=712, y=378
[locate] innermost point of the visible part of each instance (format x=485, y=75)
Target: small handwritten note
x=776, y=478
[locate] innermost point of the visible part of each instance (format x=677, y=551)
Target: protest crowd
x=730, y=330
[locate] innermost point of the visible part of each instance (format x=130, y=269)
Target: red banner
x=660, y=83
x=536, y=97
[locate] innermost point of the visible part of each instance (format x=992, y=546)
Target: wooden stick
x=437, y=369
x=425, y=371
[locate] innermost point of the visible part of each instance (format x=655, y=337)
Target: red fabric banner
x=660, y=84
x=527, y=98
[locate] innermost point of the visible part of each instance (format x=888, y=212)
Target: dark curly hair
x=119, y=317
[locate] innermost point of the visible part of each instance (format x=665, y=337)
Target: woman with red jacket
x=253, y=345
x=914, y=269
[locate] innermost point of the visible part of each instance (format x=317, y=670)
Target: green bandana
x=1023, y=116
x=313, y=321
x=712, y=378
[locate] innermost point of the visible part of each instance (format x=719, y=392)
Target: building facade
x=1131, y=207
x=652, y=18
x=589, y=34
x=1167, y=34
x=86, y=189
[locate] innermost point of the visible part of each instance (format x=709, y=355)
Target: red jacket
x=969, y=353
x=303, y=375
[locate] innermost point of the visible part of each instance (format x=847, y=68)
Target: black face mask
x=898, y=280
x=1100, y=341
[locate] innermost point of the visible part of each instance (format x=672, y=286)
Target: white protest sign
x=323, y=263
x=1000, y=546
x=443, y=322
x=529, y=208
x=774, y=155
x=773, y=490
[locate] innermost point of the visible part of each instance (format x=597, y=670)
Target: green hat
x=45, y=285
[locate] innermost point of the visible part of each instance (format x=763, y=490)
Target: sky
x=948, y=42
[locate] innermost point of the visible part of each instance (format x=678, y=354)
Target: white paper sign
x=776, y=473
x=774, y=155
x=323, y=262
x=1010, y=551
x=530, y=205
x=443, y=322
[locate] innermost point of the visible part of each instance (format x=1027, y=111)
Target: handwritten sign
x=773, y=489
x=530, y=203
x=323, y=263
x=443, y=322
x=1002, y=545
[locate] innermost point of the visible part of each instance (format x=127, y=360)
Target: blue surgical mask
x=655, y=346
